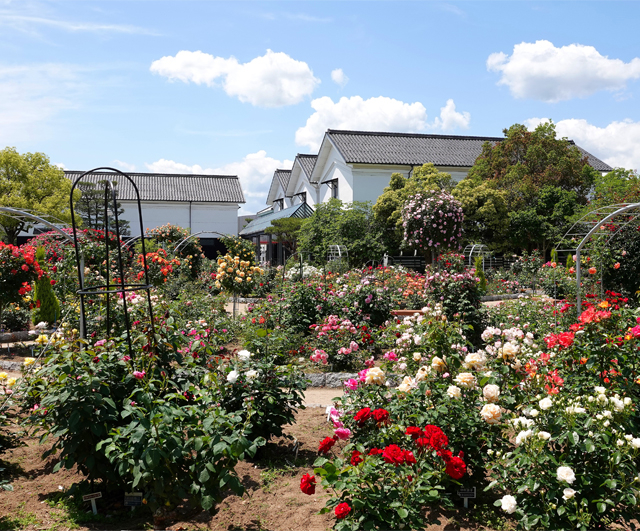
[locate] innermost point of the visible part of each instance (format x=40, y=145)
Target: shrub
x=47, y=305
x=18, y=269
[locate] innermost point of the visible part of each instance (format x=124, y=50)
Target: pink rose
x=342, y=433
x=139, y=374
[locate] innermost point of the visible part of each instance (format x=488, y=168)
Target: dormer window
x=333, y=186
x=279, y=203
x=302, y=196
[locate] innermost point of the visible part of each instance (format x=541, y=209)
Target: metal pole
x=578, y=301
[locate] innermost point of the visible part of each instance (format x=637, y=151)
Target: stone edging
x=11, y=365
x=505, y=297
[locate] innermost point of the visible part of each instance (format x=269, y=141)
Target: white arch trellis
x=589, y=228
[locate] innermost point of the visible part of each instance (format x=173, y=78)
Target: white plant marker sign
x=465, y=494
x=92, y=498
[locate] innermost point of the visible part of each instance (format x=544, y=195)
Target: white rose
x=475, y=360
x=491, y=392
x=523, y=436
x=627, y=401
x=564, y=473
x=545, y=403
x=251, y=375
x=375, y=376
x=534, y=413
x=509, y=351
x=422, y=374
x=600, y=390
x=491, y=413
x=465, y=379
x=417, y=356
x=617, y=404
x=509, y=504
x=620, y=442
x=544, y=435
x=244, y=355
x=454, y=391
x=406, y=385
x=635, y=442
x=232, y=377
x=568, y=493
x=602, y=398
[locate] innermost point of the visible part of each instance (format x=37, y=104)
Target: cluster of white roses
x=510, y=344
x=232, y=377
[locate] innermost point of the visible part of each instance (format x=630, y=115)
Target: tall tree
x=90, y=207
x=520, y=168
x=286, y=232
x=31, y=182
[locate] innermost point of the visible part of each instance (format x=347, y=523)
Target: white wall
x=335, y=168
x=204, y=216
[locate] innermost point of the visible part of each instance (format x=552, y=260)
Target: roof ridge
x=415, y=135
x=306, y=155
x=149, y=174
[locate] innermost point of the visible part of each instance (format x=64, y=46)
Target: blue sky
x=241, y=87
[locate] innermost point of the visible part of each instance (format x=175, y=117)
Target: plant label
x=92, y=498
x=132, y=499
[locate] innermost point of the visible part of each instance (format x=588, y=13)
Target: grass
x=22, y=520
x=278, y=469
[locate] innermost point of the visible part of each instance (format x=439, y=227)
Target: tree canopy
x=286, y=231
x=521, y=191
x=30, y=181
x=388, y=207
x=90, y=207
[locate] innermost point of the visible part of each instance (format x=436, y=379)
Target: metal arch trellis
x=185, y=240
x=587, y=228
x=477, y=249
x=120, y=287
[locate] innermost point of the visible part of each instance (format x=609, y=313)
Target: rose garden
x=528, y=404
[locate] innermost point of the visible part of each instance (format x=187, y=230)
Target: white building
x=201, y=203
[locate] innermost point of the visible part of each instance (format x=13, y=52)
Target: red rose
x=326, y=445
x=342, y=510
x=356, y=458
x=308, y=484
x=409, y=458
x=437, y=438
x=456, y=467
x=414, y=432
x=393, y=454
x=25, y=267
x=381, y=415
x=375, y=451
x=362, y=416
x=566, y=339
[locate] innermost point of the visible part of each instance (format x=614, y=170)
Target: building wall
x=222, y=218
x=335, y=168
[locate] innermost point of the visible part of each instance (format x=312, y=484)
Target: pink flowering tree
x=432, y=222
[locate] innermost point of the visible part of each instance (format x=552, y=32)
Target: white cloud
x=26, y=23
x=339, y=77
x=60, y=165
x=272, y=80
x=617, y=144
x=450, y=119
x=374, y=114
x=255, y=172
x=543, y=72
x=124, y=166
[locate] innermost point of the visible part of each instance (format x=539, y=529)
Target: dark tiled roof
x=283, y=176
x=258, y=225
x=171, y=186
x=307, y=162
x=366, y=147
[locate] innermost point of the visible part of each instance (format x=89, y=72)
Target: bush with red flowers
x=389, y=486
x=18, y=269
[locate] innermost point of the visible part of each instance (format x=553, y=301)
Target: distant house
x=201, y=203
x=357, y=166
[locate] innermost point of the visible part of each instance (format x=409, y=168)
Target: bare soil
x=272, y=502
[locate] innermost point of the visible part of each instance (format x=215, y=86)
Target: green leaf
x=204, y=475
x=402, y=512
x=207, y=502
x=589, y=446
x=602, y=507
x=561, y=510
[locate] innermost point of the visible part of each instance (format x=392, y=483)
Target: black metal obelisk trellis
x=119, y=285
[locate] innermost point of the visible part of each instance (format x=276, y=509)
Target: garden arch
x=587, y=228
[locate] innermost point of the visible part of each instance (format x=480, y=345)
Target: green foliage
x=30, y=181
x=482, y=286
x=335, y=223
x=240, y=247
x=47, y=305
x=286, y=232
x=18, y=269
x=624, y=248
x=388, y=207
x=541, y=181
x=90, y=208
x=169, y=237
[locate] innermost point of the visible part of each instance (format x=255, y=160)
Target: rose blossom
x=139, y=374
x=308, y=484
x=491, y=413
x=491, y=392
x=437, y=364
x=466, y=379
x=564, y=473
x=568, y=493
x=454, y=391
x=244, y=355
x=342, y=433
x=232, y=377
x=374, y=376
x=509, y=504
x=545, y=403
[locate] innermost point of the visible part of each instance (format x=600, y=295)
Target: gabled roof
x=258, y=225
x=307, y=162
x=280, y=177
x=407, y=149
x=171, y=187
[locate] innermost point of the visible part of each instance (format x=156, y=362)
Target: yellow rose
x=248, y=279
x=422, y=373
x=466, y=379
x=437, y=364
x=406, y=385
x=11, y=382
x=42, y=339
x=29, y=361
x=3, y=376
x=509, y=350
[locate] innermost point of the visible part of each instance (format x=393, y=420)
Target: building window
x=302, y=196
x=280, y=204
x=333, y=186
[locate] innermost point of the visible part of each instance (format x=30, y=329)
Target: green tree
x=90, y=208
x=47, y=304
x=336, y=223
x=520, y=167
x=286, y=232
x=388, y=207
x=31, y=182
